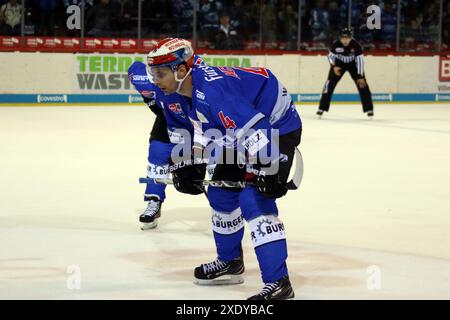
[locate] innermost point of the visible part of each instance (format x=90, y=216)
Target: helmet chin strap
x=180, y=81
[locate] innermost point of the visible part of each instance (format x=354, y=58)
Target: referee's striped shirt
x=339, y=54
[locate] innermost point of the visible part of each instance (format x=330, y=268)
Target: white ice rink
x=371, y=220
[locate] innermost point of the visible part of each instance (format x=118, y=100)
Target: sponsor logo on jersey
x=148, y=93
x=339, y=49
x=200, y=95
x=138, y=78
x=175, y=107
x=175, y=137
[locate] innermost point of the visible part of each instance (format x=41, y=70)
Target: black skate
x=220, y=272
x=370, y=114
x=280, y=290
x=319, y=113
x=150, y=216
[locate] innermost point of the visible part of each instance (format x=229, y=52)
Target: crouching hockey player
x=249, y=103
x=162, y=138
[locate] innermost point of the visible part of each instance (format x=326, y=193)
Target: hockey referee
x=346, y=55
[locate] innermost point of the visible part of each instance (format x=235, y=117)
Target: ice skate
x=220, y=272
x=149, y=218
x=279, y=290
x=319, y=113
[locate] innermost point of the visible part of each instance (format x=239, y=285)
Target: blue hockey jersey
x=175, y=107
x=227, y=98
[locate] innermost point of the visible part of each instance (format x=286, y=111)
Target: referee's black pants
x=333, y=80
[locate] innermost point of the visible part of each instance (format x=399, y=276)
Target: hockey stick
x=292, y=185
x=213, y=183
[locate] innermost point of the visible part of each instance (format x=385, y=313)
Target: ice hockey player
x=162, y=138
x=253, y=105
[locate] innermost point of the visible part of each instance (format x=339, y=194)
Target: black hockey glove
x=187, y=178
x=270, y=185
x=272, y=179
x=151, y=104
x=230, y=170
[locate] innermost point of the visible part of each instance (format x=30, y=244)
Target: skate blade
x=291, y=296
x=222, y=280
x=149, y=226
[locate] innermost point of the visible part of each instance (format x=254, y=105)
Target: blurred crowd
x=419, y=22
x=236, y=24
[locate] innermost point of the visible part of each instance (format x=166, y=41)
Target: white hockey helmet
x=171, y=52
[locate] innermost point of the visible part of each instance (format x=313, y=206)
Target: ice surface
x=375, y=201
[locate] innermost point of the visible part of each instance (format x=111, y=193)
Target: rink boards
x=48, y=78
x=67, y=99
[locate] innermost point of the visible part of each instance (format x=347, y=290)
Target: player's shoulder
x=208, y=91
x=198, y=60
x=137, y=74
x=207, y=73
x=251, y=72
x=207, y=79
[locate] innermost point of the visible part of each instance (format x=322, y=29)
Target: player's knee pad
x=227, y=223
x=223, y=200
x=157, y=171
x=265, y=229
